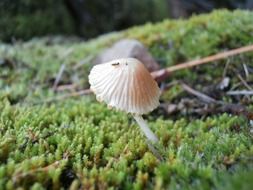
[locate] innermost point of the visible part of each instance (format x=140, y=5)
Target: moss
x=79, y=143
x=91, y=145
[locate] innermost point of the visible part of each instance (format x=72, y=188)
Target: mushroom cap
x=125, y=84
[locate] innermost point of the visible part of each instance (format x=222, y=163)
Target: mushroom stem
x=145, y=129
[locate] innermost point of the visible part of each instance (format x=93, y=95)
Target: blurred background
x=24, y=19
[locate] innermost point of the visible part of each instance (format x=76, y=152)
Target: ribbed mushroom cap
x=126, y=85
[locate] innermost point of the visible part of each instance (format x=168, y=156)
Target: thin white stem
x=145, y=129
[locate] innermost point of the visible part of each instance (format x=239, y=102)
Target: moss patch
x=78, y=143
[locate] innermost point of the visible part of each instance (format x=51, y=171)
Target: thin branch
x=74, y=94
x=59, y=75
x=83, y=62
x=163, y=73
x=237, y=109
x=240, y=92
x=19, y=176
x=226, y=69
x=245, y=70
x=200, y=95
x=70, y=87
x=244, y=82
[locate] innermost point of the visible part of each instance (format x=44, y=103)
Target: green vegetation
x=74, y=17
x=79, y=143
x=23, y=19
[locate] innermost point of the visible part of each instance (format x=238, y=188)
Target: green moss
x=79, y=143
x=91, y=145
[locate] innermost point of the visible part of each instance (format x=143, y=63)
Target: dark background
x=24, y=19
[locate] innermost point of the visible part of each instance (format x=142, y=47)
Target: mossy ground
x=79, y=143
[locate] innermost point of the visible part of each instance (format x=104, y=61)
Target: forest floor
x=55, y=135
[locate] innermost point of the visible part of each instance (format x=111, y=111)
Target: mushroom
x=125, y=84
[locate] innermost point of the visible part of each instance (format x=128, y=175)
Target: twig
x=240, y=92
x=246, y=70
x=19, y=176
x=160, y=75
x=82, y=62
x=59, y=75
x=225, y=107
x=165, y=87
x=74, y=94
x=225, y=69
x=66, y=87
x=163, y=73
x=235, y=109
x=200, y=95
x=244, y=82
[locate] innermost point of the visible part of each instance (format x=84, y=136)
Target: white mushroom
x=126, y=85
